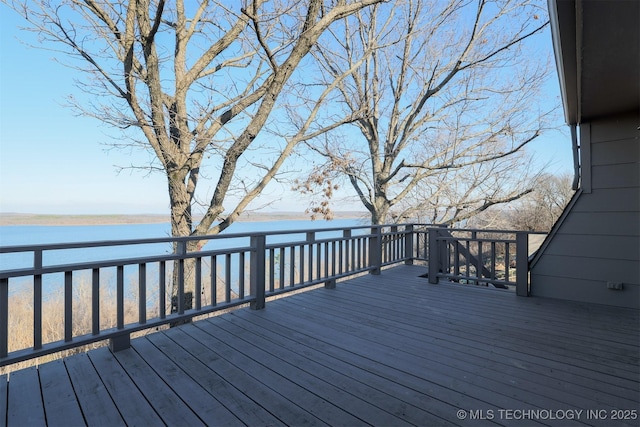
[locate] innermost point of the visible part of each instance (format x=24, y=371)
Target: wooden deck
x=388, y=350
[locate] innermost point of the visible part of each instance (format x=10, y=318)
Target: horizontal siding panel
x=616, y=176
x=566, y=266
x=606, y=247
x=591, y=291
x=609, y=200
x=615, y=152
x=613, y=129
x=602, y=223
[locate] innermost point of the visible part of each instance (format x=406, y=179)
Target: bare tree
x=194, y=84
x=446, y=99
x=540, y=210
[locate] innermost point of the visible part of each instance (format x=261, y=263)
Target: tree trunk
x=181, y=226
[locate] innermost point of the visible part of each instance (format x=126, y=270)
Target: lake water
x=36, y=235
x=32, y=235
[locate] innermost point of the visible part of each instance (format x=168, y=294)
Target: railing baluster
x=395, y=251
x=326, y=259
x=467, y=257
x=302, y=263
x=479, y=267
x=355, y=254
x=507, y=262
x=213, y=285
x=37, y=312
x=68, y=306
x=333, y=258
x=318, y=260
x=142, y=293
x=227, y=277
x=198, y=285
x=456, y=258
x=37, y=300
x=4, y=317
x=282, y=259
x=272, y=266
x=120, y=296
x=493, y=260
x=162, y=289
x=241, y=272
x=95, y=301
x=292, y=262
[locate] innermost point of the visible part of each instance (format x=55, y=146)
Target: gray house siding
x=598, y=238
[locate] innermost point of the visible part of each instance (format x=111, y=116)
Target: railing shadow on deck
x=228, y=271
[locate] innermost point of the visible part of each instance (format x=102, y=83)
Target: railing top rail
x=126, y=242
x=483, y=230
x=89, y=265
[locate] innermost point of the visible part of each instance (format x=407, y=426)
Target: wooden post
x=408, y=244
x=434, y=255
x=330, y=284
x=346, y=235
x=311, y=238
x=522, y=264
x=257, y=271
x=120, y=342
x=375, y=250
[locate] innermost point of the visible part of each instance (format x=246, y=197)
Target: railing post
x=375, y=250
x=257, y=271
x=310, y=239
x=346, y=235
x=434, y=255
x=522, y=264
x=408, y=244
x=120, y=342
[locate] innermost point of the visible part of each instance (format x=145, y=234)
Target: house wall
x=598, y=238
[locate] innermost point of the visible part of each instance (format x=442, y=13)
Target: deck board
x=467, y=333
x=208, y=374
x=168, y=405
x=22, y=409
x=191, y=392
x=58, y=396
x=389, y=350
x=132, y=405
x=496, y=376
x=97, y=406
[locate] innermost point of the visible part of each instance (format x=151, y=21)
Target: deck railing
x=102, y=297
x=498, y=258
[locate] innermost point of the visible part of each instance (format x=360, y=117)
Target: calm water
x=34, y=235
x=31, y=235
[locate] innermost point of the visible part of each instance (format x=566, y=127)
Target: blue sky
x=52, y=161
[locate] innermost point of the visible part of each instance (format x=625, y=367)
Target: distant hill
x=51, y=219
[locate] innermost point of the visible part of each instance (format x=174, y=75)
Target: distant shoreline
x=8, y=219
